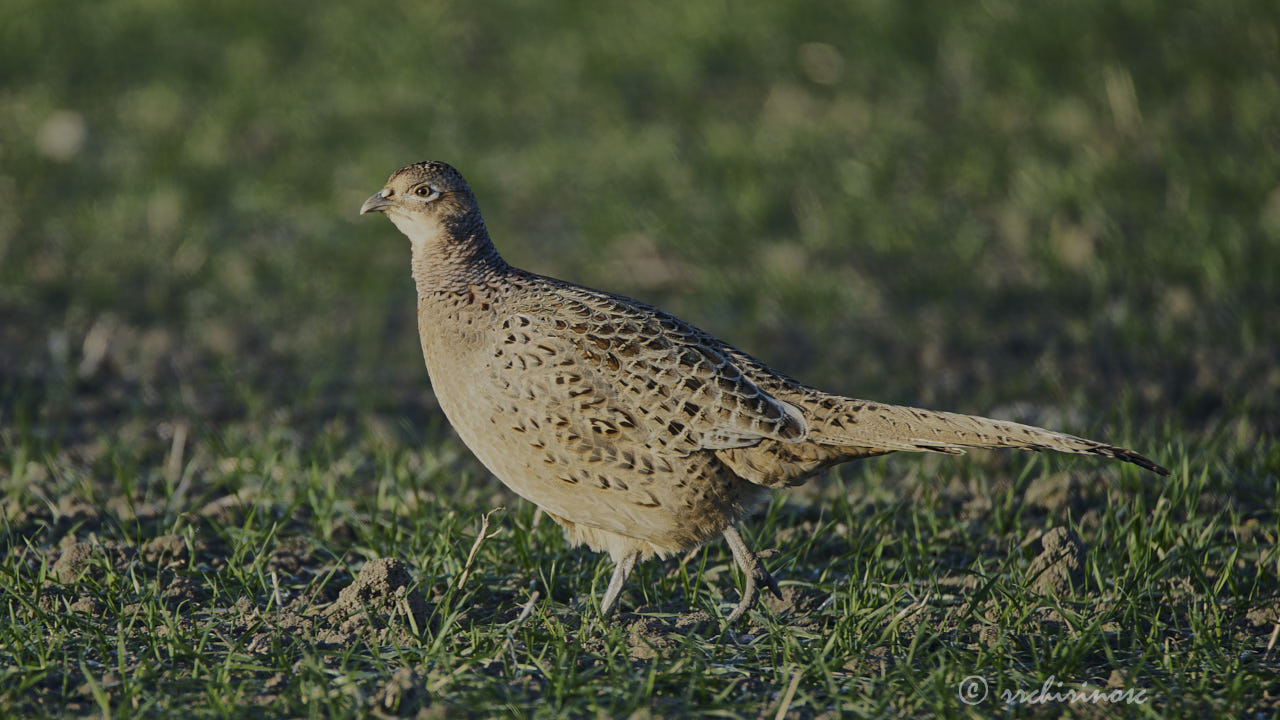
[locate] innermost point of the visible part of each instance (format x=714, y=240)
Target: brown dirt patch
x=381, y=594
x=1059, y=568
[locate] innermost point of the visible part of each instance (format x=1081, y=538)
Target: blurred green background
x=1065, y=213
x=1061, y=212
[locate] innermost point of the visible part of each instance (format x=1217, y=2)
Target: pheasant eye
x=422, y=191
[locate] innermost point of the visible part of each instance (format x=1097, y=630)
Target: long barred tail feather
x=858, y=423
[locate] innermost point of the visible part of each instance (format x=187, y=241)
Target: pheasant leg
x=752, y=569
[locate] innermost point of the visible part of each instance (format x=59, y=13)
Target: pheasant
x=638, y=433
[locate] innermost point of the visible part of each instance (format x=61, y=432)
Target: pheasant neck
x=452, y=257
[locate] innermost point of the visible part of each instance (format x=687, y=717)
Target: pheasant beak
x=378, y=202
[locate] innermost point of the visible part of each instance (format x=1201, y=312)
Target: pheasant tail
x=864, y=424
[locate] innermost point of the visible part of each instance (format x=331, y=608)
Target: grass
x=213, y=413
x=893, y=596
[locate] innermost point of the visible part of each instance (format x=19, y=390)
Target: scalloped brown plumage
x=638, y=433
